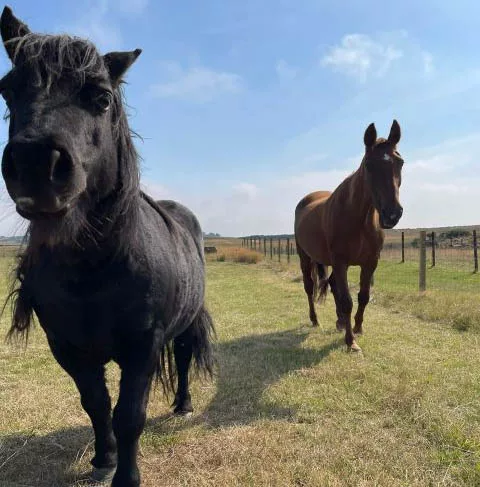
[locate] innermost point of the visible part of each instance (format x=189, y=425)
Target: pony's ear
x=395, y=133
x=11, y=28
x=370, y=136
x=117, y=64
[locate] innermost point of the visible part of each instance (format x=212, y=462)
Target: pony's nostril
x=25, y=203
x=60, y=167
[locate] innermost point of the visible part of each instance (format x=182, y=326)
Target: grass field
x=289, y=407
x=453, y=290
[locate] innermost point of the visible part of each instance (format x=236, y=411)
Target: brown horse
x=345, y=228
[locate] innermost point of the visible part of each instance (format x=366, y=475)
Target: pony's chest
x=90, y=311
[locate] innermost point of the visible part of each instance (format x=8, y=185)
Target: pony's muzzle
x=38, y=176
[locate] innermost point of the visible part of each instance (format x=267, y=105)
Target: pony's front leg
x=90, y=380
x=130, y=413
x=366, y=274
x=344, y=303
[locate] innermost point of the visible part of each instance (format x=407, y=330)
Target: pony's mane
x=50, y=57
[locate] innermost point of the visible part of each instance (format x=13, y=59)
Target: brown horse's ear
x=370, y=136
x=11, y=29
x=395, y=133
x=117, y=64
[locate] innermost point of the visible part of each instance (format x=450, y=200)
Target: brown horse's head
x=383, y=166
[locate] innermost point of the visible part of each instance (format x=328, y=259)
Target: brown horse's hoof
x=358, y=331
x=354, y=348
x=340, y=326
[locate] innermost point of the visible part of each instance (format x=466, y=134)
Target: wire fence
x=410, y=260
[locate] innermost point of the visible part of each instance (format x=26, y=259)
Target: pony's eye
x=104, y=100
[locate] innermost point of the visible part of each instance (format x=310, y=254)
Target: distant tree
x=455, y=233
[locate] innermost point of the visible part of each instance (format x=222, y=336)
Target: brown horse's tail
x=320, y=281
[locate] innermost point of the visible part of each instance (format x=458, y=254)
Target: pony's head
x=383, y=165
x=66, y=127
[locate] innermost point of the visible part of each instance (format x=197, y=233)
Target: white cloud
x=428, y=66
x=246, y=190
x=96, y=23
x=106, y=37
x=197, y=84
x=443, y=188
x=155, y=190
x=131, y=6
x=440, y=188
x=360, y=56
x=285, y=71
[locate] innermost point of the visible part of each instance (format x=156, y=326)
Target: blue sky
x=246, y=106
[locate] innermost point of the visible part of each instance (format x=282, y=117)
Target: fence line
x=452, y=250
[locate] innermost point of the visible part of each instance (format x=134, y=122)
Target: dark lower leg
x=366, y=274
x=96, y=402
x=183, y=357
x=344, y=302
x=90, y=381
x=311, y=306
x=333, y=287
x=128, y=423
x=306, y=266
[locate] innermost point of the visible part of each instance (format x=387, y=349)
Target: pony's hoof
x=315, y=324
x=354, y=348
x=102, y=475
x=340, y=326
x=183, y=414
x=358, y=332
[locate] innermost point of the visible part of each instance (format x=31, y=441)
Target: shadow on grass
x=28, y=460
x=247, y=367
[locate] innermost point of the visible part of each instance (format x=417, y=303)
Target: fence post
x=403, y=247
x=433, y=249
x=422, y=275
x=279, y=250
x=475, y=252
x=288, y=250
x=271, y=248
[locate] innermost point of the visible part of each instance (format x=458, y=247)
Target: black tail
x=320, y=281
x=21, y=302
x=203, y=333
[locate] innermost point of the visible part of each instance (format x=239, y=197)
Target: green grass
x=289, y=406
x=452, y=296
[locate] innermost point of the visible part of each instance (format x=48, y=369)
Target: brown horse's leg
x=345, y=303
x=306, y=266
x=366, y=274
x=333, y=287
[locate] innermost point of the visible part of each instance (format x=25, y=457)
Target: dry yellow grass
x=289, y=407
x=238, y=255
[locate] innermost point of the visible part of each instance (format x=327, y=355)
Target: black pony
x=110, y=273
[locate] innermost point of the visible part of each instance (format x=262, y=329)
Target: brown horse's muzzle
x=389, y=217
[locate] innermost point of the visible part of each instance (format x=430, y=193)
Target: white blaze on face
x=386, y=157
